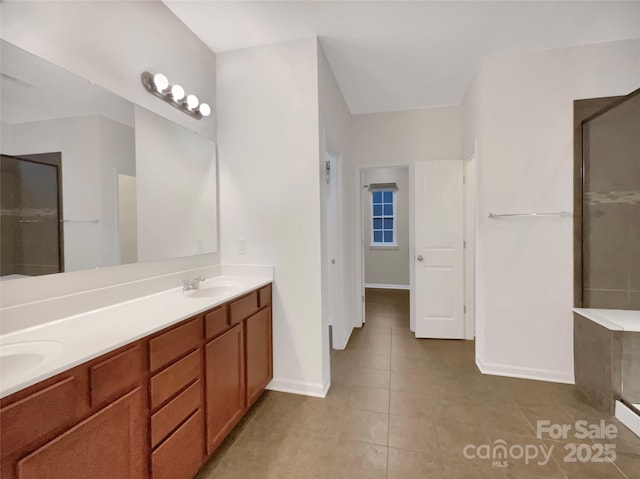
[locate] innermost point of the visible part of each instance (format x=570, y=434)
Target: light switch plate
x=241, y=246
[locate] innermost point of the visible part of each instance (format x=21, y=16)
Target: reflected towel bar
x=561, y=213
x=81, y=221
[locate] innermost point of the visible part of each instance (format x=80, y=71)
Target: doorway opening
x=386, y=243
x=441, y=220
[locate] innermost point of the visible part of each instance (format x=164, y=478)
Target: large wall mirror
x=91, y=180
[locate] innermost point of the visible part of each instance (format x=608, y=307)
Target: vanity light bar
x=158, y=85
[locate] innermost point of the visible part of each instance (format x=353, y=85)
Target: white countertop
x=88, y=335
x=613, y=319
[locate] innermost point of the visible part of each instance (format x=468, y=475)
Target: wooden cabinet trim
x=115, y=376
x=171, y=345
x=216, y=321
x=182, y=454
x=264, y=296
x=40, y=416
x=173, y=414
x=244, y=307
x=173, y=379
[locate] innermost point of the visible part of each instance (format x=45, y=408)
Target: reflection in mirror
x=73, y=191
x=176, y=189
x=49, y=113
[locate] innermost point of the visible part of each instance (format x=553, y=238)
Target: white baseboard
x=387, y=286
x=525, y=373
x=628, y=417
x=343, y=344
x=304, y=388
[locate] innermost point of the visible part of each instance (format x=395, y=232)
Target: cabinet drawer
x=182, y=454
x=167, y=419
x=115, y=376
x=168, y=382
x=175, y=343
x=40, y=414
x=216, y=321
x=243, y=307
x=264, y=296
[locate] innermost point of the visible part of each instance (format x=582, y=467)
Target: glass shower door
x=30, y=218
x=611, y=207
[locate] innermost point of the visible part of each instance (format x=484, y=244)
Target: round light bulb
x=160, y=82
x=192, y=102
x=177, y=92
x=205, y=110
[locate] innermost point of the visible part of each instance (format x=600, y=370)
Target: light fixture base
x=147, y=81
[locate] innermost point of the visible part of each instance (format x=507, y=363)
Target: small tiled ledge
x=606, y=344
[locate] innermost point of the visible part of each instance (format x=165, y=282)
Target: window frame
x=394, y=216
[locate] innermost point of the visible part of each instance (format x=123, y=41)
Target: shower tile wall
x=611, y=214
x=630, y=365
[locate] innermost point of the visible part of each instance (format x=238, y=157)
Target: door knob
x=419, y=258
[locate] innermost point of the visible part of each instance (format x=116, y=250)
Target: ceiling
x=398, y=55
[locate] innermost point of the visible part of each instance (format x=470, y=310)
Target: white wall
x=111, y=44
x=403, y=137
x=176, y=189
x=117, y=155
x=268, y=139
x=387, y=266
x=521, y=111
x=335, y=133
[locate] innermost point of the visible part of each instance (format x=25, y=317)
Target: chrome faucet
x=189, y=284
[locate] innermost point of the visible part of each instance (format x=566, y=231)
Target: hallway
x=402, y=408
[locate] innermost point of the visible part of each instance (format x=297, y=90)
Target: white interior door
x=439, y=256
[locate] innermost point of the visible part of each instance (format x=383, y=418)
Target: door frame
x=332, y=230
x=359, y=243
x=470, y=186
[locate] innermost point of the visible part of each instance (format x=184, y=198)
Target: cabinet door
x=182, y=454
x=259, y=358
x=109, y=444
x=225, y=396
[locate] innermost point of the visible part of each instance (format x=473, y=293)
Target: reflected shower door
x=30, y=202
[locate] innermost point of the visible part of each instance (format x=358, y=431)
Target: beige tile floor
x=403, y=408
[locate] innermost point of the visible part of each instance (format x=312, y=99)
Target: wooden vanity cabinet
x=86, y=422
x=239, y=364
x=156, y=408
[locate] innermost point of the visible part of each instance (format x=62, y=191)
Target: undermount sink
x=16, y=359
x=214, y=290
